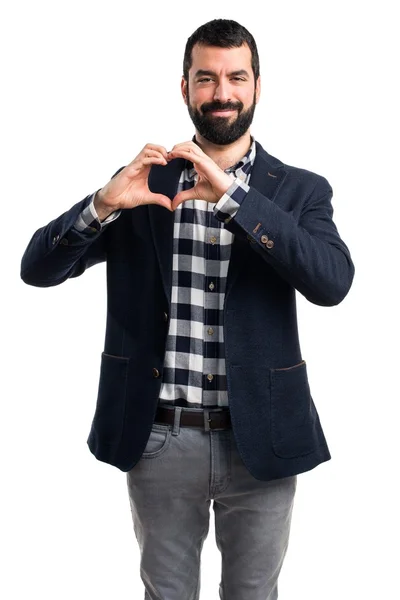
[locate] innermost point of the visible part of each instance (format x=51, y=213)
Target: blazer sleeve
x=306, y=251
x=58, y=251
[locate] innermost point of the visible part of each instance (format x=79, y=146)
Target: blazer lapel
x=164, y=180
x=267, y=176
x=268, y=173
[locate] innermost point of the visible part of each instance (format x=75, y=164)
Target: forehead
x=214, y=58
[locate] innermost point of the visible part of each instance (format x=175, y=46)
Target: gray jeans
x=170, y=490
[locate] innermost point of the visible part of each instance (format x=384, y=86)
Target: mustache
x=217, y=106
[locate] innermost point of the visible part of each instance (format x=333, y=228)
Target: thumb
x=161, y=200
x=182, y=196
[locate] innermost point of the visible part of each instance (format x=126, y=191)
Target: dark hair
x=225, y=34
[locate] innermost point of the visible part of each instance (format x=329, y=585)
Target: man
x=203, y=391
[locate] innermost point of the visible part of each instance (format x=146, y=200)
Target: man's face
x=221, y=96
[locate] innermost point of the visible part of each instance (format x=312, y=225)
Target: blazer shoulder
x=296, y=174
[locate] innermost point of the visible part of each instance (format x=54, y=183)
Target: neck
x=228, y=155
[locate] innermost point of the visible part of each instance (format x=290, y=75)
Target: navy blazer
x=285, y=240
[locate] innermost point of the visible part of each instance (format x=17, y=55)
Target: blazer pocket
x=109, y=416
x=293, y=414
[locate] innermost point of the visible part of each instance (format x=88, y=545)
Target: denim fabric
x=170, y=491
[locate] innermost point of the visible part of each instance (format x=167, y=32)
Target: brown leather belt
x=208, y=418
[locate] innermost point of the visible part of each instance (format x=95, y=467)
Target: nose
x=222, y=92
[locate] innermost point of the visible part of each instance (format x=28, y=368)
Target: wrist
x=103, y=210
x=225, y=184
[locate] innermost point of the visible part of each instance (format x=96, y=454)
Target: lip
x=222, y=113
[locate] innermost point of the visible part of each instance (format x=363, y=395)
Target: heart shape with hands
x=212, y=181
x=129, y=188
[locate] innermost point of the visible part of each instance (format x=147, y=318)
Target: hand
x=130, y=188
x=212, y=182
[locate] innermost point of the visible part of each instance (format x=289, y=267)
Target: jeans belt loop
x=177, y=420
x=207, y=419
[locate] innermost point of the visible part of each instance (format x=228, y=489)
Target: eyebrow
x=201, y=72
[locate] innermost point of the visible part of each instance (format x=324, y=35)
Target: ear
x=184, y=89
x=258, y=88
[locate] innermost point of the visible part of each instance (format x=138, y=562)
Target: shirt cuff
x=88, y=220
x=227, y=206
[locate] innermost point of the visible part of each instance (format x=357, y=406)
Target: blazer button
x=264, y=239
x=165, y=317
x=270, y=244
x=156, y=372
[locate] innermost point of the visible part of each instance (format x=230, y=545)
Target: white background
x=85, y=86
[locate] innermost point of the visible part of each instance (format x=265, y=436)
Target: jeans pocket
x=158, y=442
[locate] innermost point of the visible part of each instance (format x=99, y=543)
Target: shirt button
x=210, y=377
x=211, y=286
x=156, y=372
x=242, y=176
x=213, y=239
x=210, y=331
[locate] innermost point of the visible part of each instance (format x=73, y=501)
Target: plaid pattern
x=194, y=373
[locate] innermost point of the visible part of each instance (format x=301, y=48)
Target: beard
x=221, y=130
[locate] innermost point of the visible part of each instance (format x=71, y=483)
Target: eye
x=205, y=79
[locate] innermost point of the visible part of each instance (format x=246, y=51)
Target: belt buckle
x=207, y=420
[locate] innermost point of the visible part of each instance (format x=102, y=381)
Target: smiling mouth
x=223, y=113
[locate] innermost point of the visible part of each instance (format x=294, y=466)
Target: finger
x=189, y=146
x=182, y=197
x=158, y=148
x=184, y=153
x=154, y=160
x=133, y=168
x=148, y=152
x=148, y=148
x=161, y=200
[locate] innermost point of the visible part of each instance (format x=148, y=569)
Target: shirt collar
x=243, y=165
